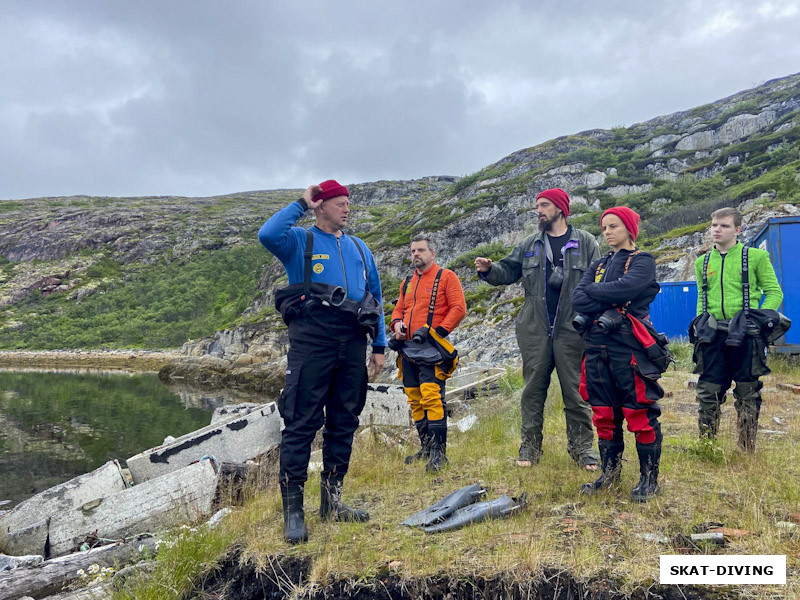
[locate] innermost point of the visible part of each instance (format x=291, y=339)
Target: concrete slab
x=223, y=413
x=237, y=439
x=183, y=496
x=103, y=481
x=386, y=405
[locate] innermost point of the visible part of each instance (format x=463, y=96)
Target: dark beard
x=545, y=225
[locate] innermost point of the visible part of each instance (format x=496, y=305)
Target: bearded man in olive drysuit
x=550, y=264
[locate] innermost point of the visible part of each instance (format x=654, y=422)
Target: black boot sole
x=590, y=489
x=639, y=497
x=416, y=457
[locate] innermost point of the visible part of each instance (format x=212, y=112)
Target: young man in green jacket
x=719, y=363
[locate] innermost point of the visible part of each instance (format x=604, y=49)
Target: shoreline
x=127, y=360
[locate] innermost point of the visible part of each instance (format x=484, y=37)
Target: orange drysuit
x=412, y=306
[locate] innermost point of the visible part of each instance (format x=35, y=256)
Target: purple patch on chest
x=571, y=244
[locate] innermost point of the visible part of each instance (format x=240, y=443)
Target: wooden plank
x=51, y=576
x=477, y=383
x=789, y=387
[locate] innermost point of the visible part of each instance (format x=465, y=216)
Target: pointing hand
x=483, y=264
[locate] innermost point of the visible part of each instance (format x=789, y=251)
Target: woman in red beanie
x=618, y=377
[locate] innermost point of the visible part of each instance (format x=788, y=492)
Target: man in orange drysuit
x=416, y=313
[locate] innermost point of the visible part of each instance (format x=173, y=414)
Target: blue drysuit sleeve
x=276, y=234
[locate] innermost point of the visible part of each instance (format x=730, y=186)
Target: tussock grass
x=181, y=558
x=600, y=536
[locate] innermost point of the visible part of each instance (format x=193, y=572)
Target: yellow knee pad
x=415, y=401
x=432, y=400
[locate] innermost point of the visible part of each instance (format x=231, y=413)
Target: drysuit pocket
x=759, y=364
x=697, y=357
x=530, y=273
x=580, y=265
x=288, y=398
x=648, y=390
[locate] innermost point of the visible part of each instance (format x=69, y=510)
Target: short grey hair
x=422, y=237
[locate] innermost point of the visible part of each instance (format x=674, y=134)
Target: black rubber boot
x=748, y=407
x=331, y=507
x=438, y=434
x=294, y=525
x=610, y=465
x=709, y=398
x=649, y=459
x=424, y=440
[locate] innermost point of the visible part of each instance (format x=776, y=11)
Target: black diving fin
x=446, y=506
x=498, y=508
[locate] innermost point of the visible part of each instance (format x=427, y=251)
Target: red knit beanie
x=558, y=197
x=629, y=218
x=331, y=189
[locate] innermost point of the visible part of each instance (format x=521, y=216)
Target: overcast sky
x=204, y=97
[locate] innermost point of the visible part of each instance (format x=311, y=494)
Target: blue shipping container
x=674, y=308
x=781, y=238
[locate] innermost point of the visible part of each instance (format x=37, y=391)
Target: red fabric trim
x=582, y=389
x=639, y=385
x=639, y=425
x=603, y=421
x=640, y=331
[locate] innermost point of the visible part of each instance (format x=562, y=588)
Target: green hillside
x=86, y=272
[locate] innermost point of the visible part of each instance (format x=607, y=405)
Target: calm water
x=54, y=426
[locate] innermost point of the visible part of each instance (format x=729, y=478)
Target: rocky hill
x=153, y=272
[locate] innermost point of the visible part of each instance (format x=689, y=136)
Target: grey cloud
x=198, y=97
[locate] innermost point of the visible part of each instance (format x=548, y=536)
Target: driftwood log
x=103, y=591
x=50, y=577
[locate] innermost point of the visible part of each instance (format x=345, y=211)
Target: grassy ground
x=587, y=537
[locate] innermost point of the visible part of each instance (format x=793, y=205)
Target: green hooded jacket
x=725, y=282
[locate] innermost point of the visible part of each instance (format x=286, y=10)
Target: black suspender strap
x=307, y=255
x=405, y=285
x=705, y=280
x=434, y=289
x=364, y=260
x=746, y=279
